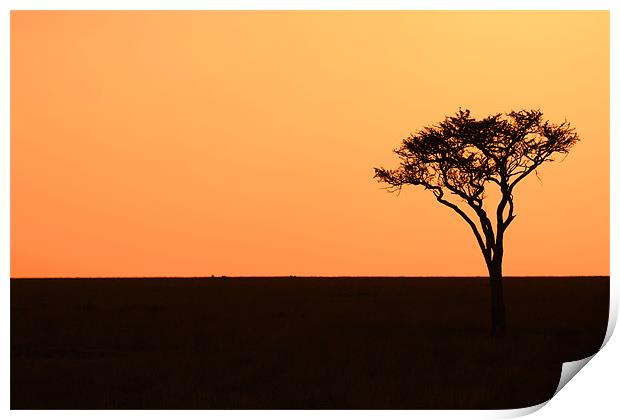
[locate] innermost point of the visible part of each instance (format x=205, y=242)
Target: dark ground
x=355, y=343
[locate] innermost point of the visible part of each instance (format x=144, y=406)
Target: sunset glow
x=185, y=143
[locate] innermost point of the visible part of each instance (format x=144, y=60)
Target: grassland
x=296, y=343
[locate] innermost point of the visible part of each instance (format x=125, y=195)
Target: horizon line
x=300, y=276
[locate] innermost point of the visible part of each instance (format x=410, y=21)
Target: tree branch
x=438, y=192
x=485, y=222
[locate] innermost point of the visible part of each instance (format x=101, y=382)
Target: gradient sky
x=243, y=143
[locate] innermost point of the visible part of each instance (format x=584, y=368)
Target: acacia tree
x=461, y=157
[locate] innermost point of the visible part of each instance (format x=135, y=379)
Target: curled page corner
x=569, y=370
x=519, y=412
x=613, y=317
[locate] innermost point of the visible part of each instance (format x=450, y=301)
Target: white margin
x=7, y=6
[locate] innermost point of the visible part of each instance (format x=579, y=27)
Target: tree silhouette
x=462, y=157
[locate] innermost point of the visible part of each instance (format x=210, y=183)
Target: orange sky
x=243, y=143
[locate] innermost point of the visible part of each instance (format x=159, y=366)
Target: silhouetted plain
x=301, y=343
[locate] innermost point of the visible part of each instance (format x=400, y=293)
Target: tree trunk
x=498, y=313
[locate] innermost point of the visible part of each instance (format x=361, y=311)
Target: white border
x=307, y=5
x=593, y=394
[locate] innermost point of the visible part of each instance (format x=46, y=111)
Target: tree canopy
x=463, y=156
